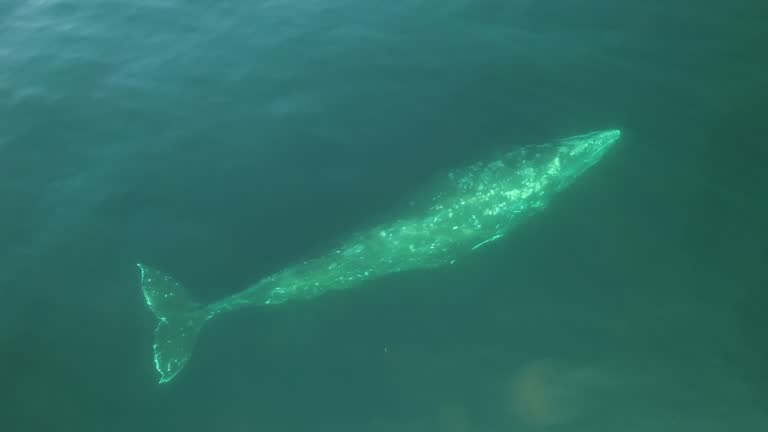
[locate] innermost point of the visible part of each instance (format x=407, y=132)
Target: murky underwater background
x=222, y=141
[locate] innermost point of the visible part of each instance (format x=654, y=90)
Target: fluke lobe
x=477, y=204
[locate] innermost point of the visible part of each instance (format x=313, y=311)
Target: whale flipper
x=181, y=319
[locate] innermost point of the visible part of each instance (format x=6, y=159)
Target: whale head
x=578, y=153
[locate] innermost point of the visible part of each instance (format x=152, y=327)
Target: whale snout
x=593, y=145
x=576, y=154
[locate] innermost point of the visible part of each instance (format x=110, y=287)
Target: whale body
x=481, y=203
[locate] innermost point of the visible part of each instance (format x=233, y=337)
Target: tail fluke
x=180, y=318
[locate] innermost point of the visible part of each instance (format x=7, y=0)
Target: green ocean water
x=225, y=141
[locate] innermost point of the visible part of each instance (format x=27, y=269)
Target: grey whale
x=481, y=204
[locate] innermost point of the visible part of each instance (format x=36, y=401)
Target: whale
x=475, y=205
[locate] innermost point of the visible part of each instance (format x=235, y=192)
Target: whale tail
x=180, y=320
